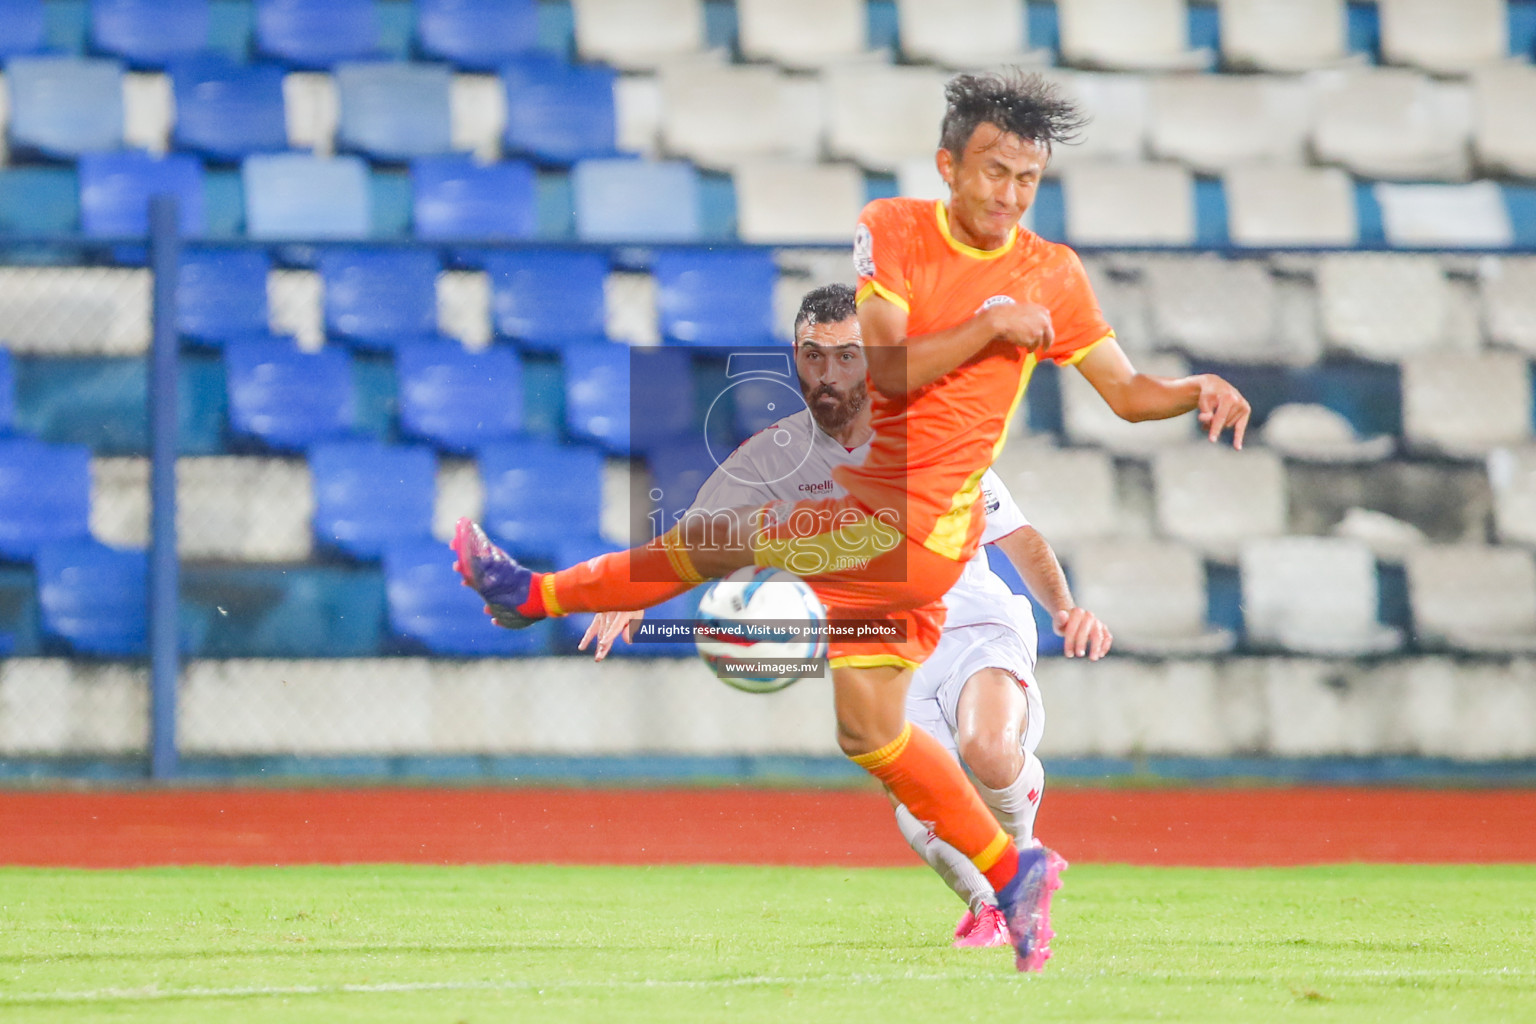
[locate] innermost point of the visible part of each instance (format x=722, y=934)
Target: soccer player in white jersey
x=977, y=694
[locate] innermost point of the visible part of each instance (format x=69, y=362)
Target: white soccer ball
x=754, y=621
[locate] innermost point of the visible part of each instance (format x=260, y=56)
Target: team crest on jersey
x=863, y=251
x=996, y=300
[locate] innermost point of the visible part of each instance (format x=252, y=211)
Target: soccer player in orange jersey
x=957, y=307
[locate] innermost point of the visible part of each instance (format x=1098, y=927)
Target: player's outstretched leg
x=1026, y=903
x=494, y=575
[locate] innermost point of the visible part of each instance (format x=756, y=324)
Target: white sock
x=1016, y=804
x=951, y=865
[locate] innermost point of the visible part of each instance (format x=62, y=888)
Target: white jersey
x=794, y=459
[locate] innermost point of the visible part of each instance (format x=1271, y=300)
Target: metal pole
x=164, y=567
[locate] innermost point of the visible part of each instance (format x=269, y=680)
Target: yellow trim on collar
x=942, y=215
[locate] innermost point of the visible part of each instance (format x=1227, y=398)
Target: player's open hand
x=1025, y=324
x=1221, y=406
x=605, y=629
x=1083, y=635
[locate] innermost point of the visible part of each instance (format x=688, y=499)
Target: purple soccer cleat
x=493, y=574
x=1026, y=903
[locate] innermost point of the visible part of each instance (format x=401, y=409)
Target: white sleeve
x=1003, y=515
x=723, y=490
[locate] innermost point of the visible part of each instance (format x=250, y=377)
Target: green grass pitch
x=780, y=945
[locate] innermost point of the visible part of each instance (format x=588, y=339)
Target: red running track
x=1206, y=827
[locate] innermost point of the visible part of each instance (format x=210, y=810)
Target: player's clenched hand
x=1025, y=324
x=1083, y=635
x=1221, y=406
x=605, y=628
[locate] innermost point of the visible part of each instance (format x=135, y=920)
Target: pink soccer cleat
x=985, y=930
x=493, y=574
x=1026, y=902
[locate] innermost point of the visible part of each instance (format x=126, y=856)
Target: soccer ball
x=753, y=620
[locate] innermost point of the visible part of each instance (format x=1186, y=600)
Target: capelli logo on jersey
x=825, y=487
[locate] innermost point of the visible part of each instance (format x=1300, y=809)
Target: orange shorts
x=862, y=568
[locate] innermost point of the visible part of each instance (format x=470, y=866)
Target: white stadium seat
x=1445, y=216
x=786, y=201
x=1213, y=308
x=1270, y=205
x=1069, y=492
x=882, y=116
x=964, y=33
x=1215, y=499
x=1444, y=38
x=1508, y=293
x=1316, y=433
x=1382, y=306
x=1282, y=35
x=1149, y=35
x=1313, y=595
x=1393, y=123
x=1088, y=419
x=1213, y=122
x=718, y=115
x=1512, y=478
x=638, y=36
x=806, y=34
x=1504, y=133
x=1118, y=111
x=1463, y=406
x=1129, y=204
x=1475, y=598
x=1151, y=593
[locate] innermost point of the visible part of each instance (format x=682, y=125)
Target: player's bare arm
x=1143, y=396
x=1083, y=635
x=899, y=365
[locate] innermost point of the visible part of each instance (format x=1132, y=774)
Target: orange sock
x=621, y=581
x=923, y=776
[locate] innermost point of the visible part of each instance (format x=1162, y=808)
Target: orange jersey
x=932, y=446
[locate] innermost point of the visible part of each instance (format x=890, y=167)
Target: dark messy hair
x=829, y=304
x=1021, y=104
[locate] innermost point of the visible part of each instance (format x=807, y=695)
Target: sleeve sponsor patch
x=863, y=251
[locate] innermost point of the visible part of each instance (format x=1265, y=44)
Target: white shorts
x=935, y=692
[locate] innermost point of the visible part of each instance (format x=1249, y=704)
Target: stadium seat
x=545, y=299
x=1313, y=595
x=1212, y=308
x=700, y=116
x=39, y=200
x=636, y=201
x=380, y=298
x=93, y=597
x=1382, y=306
x=805, y=34
x=23, y=27
x=298, y=196
x=393, y=111
x=1296, y=35
x=678, y=470
x=638, y=37
x=316, y=33
x=1149, y=36
x=1088, y=419
x=880, y=116
x=1468, y=597
x=284, y=398
x=1070, y=492
x=1214, y=122
x=1153, y=593
x=1444, y=216
x=1214, y=499
x=221, y=294
x=1281, y=206
x=429, y=604
x=7, y=392
x=116, y=189
x=1119, y=108
x=456, y=199
x=944, y=32
x=149, y=33
x=1508, y=292
x=368, y=495
x=1512, y=479
x=226, y=111
x=45, y=495
x=1130, y=204
x=539, y=494
x=1504, y=135
x=1309, y=432
x=790, y=201
x=715, y=298
x=1392, y=123
x=64, y=106
x=458, y=400
x=1466, y=405
x=477, y=35
x=1444, y=39
x=603, y=379
x=558, y=113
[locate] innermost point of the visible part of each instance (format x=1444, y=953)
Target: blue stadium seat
x=454, y=198
x=39, y=200
x=227, y=111
x=368, y=495
x=392, y=110
x=45, y=494
x=429, y=605
x=599, y=395
x=547, y=299
x=378, y=298
x=459, y=400
x=221, y=294
x=148, y=33
x=7, y=392
x=479, y=35
x=23, y=27
x=94, y=598
x=299, y=196
x=539, y=494
x=715, y=298
x=64, y=106
x=284, y=398
x=636, y=201
x=678, y=470
x=558, y=113
x=317, y=33
x=115, y=190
